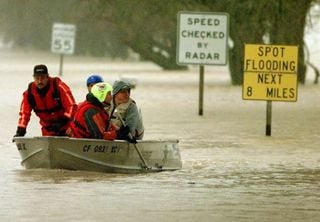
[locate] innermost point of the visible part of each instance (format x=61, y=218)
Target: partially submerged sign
x=63, y=38
x=202, y=38
x=270, y=72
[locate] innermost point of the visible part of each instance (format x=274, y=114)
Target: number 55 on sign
x=63, y=38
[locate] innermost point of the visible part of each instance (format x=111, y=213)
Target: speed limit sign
x=63, y=38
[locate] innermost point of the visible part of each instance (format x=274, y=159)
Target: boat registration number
x=100, y=148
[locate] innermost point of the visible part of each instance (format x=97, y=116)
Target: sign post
x=202, y=40
x=63, y=40
x=201, y=84
x=270, y=73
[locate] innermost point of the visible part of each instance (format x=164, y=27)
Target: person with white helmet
x=127, y=117
x=90, y=120
x=93, y=79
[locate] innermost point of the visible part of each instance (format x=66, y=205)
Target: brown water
x=231, y=170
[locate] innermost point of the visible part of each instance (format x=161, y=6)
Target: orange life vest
x=79, y=127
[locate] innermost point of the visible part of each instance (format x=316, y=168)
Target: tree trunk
x=288, y=28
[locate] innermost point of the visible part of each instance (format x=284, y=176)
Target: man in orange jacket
x=51, y=100
x=91, y=120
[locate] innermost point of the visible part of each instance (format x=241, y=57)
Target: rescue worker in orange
x=51, y=100
x=91, y=120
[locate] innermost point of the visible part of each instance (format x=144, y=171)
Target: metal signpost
x=270, y=73
x=63, y=40
x=202, y=39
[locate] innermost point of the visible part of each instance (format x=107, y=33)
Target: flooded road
x=231, y=170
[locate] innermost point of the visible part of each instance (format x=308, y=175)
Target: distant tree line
x=149, y=27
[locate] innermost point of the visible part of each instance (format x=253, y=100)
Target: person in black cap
x=51, y=100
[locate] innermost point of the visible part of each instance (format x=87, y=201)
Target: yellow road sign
x=270, y=72
x=270, y=86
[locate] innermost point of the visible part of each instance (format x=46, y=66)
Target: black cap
x=40, y=69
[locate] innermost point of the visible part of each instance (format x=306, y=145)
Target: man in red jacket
x=51, y=100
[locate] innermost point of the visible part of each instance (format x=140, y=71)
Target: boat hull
x=98, y=155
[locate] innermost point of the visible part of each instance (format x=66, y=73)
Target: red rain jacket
x=50, y=108
x=90, y=121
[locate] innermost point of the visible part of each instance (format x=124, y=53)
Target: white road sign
x=202, y=38
x=63, y=38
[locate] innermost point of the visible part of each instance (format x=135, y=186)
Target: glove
x=131, y=140
x=123, y=132
x=21, y=131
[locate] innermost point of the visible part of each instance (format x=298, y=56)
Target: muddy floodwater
x=231, y=170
